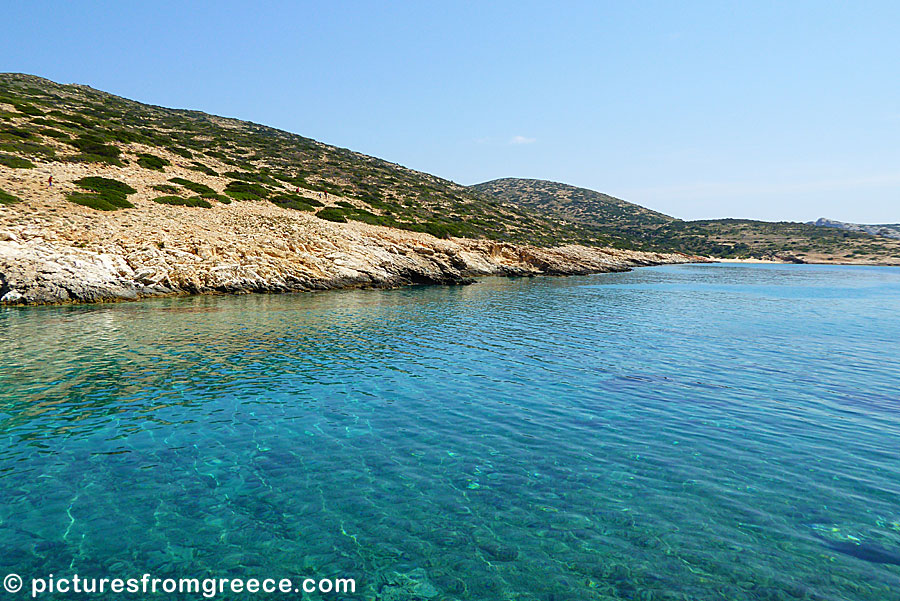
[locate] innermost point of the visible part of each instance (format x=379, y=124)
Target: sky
x=764, y=110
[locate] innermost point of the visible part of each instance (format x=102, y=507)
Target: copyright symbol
x=12, y=583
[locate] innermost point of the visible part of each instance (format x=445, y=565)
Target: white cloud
x=522, y=140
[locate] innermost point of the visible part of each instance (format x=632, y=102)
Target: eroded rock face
x=52, y=251
x=38, y=271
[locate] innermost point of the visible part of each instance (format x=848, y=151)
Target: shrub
x=27, y=109
x=95, y=150
x=184, y=152
x=105, y=184
x=165, y=188
x=103, y=194
x=260, y=178
x=149, y=161
x=101, y=202
x=333, y=214
x=195, y=166
x=292, y=201
x=127, y=136
x=8, y=199
x=16, y=132
x=192, y=186
x=193, y=201
x=53, y=133
x=367, y=217
x=13, y=162
x=245, y=191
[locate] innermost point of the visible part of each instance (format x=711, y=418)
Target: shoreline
x=266, y=250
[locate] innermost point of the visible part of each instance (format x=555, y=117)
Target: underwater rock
x=498, y=552
x=866, y=551
x=411, y=586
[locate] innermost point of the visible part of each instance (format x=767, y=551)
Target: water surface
x=683, y=432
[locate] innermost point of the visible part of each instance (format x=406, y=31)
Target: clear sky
x=769, y=110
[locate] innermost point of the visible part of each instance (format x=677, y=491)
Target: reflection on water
x=687, y=432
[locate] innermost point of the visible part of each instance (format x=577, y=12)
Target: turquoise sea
x=684, y=432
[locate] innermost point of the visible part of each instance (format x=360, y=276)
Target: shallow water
x=681, y=432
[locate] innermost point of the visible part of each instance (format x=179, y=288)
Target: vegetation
x=94, y=149
x=52, y=122
x=239, y=190
x=15, y=162
x=149, y=161
x=195, y=166
x=638, y=227
x=294, y=201
x=335, y=214
x=201, y=189
x=103, y=194
x=8, y=199
x=194, y=201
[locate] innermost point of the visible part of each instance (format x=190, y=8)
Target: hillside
x=48, y=127
x=103, y=198
x=569, y=202
x=726, y=238
x=888, y=230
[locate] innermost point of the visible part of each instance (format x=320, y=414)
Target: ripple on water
x=702, y=432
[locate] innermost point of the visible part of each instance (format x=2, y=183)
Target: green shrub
x=245, y=191
x=260, y=178
x=149, y=161
x=195, y=166
x=101, y=202
x=165, y=188
x=184, y=152
x=193, y=201
x=335, y=214
x=8, y=199
x=103, y=194
x=53, y=133
x=292, y=201
x=27, y=109
x=192, y=186
x=105, y=184
x=15, y=132
x=368, y=217
x=13, y=162
x=128, y=136
x=94, y=149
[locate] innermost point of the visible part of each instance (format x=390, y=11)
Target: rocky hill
x=570, y=202
x=104, y=198
x=888, y=230
x=634, y=225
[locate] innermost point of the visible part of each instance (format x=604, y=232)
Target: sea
x=686, y=432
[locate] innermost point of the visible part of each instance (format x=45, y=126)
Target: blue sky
x=769, y=110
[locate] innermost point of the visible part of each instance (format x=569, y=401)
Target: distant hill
x=888, y=230
x=727, y=238
x=570, y=202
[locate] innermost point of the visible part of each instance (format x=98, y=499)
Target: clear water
x=684, y=432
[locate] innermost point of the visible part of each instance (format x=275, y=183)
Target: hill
x=46, y=125
x=103, y=198
x=888, y=230
x=725, y=238
x=569, y=202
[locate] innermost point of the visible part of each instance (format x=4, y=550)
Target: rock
x=70, y=257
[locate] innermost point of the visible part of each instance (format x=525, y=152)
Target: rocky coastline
x=79, y=255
